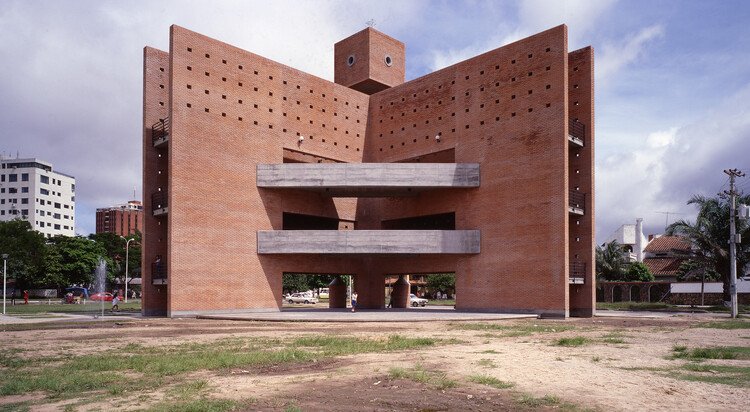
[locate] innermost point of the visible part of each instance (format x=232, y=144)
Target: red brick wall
x=581, y=172
x=119, y=222
x=156, y=85
x=506, y=109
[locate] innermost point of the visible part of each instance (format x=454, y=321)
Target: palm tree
x=610, y=261
x=709, y=235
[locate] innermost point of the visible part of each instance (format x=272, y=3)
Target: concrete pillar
x=400, y=293
x=337, y=293
x=639, y=246
x=370, y=288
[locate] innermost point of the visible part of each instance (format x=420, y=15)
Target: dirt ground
x=623, y=364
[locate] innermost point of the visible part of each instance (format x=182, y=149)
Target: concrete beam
x=368, y=179
x=368, y=242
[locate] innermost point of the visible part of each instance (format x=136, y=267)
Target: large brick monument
x=252, y=169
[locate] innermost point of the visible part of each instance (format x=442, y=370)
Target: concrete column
x=639, y=246
x=400, y=293
x=337, y=293
x=370, y=288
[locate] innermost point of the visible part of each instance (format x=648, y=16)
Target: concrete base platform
x=365, y=315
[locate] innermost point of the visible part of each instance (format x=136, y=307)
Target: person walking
x=354, y=301
x=115, y=303
x=25, y=297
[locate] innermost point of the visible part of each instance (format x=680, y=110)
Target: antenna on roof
x=666, y=221
x=370, y=23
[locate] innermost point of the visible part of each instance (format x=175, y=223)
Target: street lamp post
x=127, y=251
x=5, y=277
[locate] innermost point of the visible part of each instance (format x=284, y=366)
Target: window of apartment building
x=57, y=227
x=12, y=190
x=57, y=205
x=2, y=190
x=25, y=189
x=72, y=199
x=24, y=212
x=66, y=206
x=13, y=177
x=73, y=187
x=25, y=201
x=41, y=213
x=24, y=177
x=56, y=215
x=2, y=177
x=2, y=213
x=59, y=182
x=2, y=201
x=41, y=224
x=12, y=200
x=44, y=179
x=43, y=191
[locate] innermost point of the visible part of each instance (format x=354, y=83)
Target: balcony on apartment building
x=576, y=133
x=160, y=132
x=576, y=202
x=577, y=272
x=368, y=179
x=368, y=242
x=159, y=203
x=158, y=273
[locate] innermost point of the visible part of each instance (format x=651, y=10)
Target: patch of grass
x=489, y=351
x=596, y=359
x=57, y=307
x=721, y=374
x=16, y=407
x=188, y=389
x=419, y=374
x=719, y=352
x=533, y=402
x=574, y=341
x=138, y=368
x=487, y=363
x=197, y=405
x=726, y=324
x=633, y=306
x=442, y=302
x=9, y=358
x=513, y=330
x=490, y=381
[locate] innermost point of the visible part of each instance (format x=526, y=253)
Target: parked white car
x=324, y=293
x=415, y=301
x=301, y=298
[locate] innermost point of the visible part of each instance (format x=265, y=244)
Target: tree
x=638, y=272
x=26, y=252
x=72, y=260
x=710, y=232
x=692, y=270
x=115, y=249
x=443, y=282
x=610, y=261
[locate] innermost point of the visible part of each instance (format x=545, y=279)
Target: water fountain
x=100, y=277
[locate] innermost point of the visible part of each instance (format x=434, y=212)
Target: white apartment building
x=31, y=190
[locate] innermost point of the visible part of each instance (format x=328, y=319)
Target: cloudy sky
x=672, y=81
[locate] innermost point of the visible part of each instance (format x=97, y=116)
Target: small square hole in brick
x=190, y=49
x=547, y=49
x=208, y=55
x=548, y=105
x=161, y=69
x=223, y=61
x=530, y=110
x=223, y=115
x=190, y=68
x=547, y=86
x=239, y=67
x=189, y=105
x=207, y=73
x=189, y=86
x=206, y=109
x=513, y=114
x=548, y=68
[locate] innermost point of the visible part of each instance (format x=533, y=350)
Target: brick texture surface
x=507, y=110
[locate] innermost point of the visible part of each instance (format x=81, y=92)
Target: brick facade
x=508, y=110
x=122, y=220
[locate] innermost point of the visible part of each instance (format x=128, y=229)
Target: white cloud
x=533, y=16
x=616, y=55
x=667, y=167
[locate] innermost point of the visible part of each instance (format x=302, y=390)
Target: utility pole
x=733, y=173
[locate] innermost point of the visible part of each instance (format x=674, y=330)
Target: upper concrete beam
x=368, y=179
x=368, y=241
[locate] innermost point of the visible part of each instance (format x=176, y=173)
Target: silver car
x=415, y=301
x=301, y=298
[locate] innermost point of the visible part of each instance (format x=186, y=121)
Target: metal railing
x=577, y=272
x=160, y=130
x=159, y=200
x=577, y=200
x=158, y=272
x=577, y=129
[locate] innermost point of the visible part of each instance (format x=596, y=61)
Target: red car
x=106, y=296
